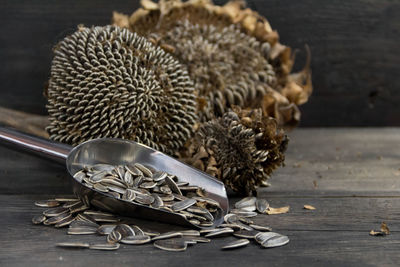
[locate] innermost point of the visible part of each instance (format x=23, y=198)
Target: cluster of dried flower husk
x=241, y=148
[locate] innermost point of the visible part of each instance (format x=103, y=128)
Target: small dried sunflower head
x=110, y=82
x=241, y=148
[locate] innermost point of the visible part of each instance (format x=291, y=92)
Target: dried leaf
x=374, y=233
x=120, y=20
x=149, y=5
x=385, y=228
x=281, y=210
x=309, y=207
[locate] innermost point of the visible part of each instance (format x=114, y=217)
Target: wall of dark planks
x=355, y=52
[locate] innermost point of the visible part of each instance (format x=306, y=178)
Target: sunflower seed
x=236, y=244
x=136, y=240
x=245, y=220
x=158, y=202
x=144, y=199
x=230, y=225
x=206, y=224
x=125, y=230
x=55, y=211
x=104, y=218
x=262, y=205
x=128, y=179
x=66, y=199
x=220, y=232
x=79, y=176
x=148, y=185
x=129, y=195
x=231, y=218
x=114, y=237
x=188, y=188
x=81, y=231
x=167, y=197
x=57, y=219
x=248, y=208
x=167, y=235
x=102, y=167
x=159, y=176
x=264, y=236
x=194, y=221
x=137, y=230
x=105, y=246
x=117, y=189
x=72, y=204
x=73, y=245
x=121, y=172
x=97, y=176
x=64, y=222
x=183, y=204
x=150, y=232
x=172, y=185
x=190, y=233
x=245, y=202
x=85, y=218
x=38, y=219
x=78, y=208
x=275, y=241
x=175, y=244
x=144, y=170
x=197, y=239
x=106, y=229
x=247, y=214
x=260, y=227
x=100, y=187
x=133, y=170
x=246, y=234
x=51, y=203
x=97, y=213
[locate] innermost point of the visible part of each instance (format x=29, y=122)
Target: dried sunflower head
x=232, y=54
x=109, y=82
x=241, y=148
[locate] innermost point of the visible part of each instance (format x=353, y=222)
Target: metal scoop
x=120, y=152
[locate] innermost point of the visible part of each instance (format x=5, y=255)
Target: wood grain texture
x=354, y=48
x=353, y=196
x=344, y=244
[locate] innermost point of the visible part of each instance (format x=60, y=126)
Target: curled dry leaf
x=309, y=207
x=272, y=211
x=384, y=230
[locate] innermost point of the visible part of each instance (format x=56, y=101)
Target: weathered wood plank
x=342, y=162
x=321, y=161
x=354, y=46
x=336, y=234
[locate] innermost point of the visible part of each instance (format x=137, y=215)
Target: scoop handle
x=48, y=149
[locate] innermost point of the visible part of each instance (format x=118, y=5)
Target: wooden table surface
x=351, y=176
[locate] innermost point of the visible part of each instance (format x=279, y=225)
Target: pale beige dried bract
x=309, y=207
x=272, y=211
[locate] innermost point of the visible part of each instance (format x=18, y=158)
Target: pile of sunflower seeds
x=160, y=190
x=81, y=220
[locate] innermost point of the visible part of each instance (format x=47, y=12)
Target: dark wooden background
x=355, y=48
